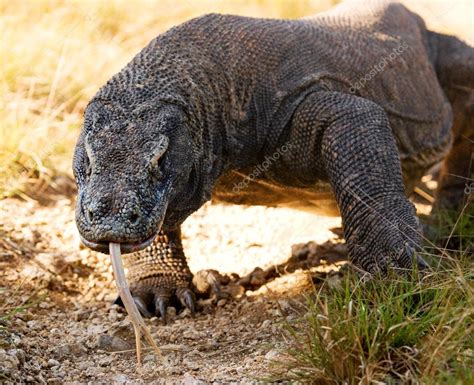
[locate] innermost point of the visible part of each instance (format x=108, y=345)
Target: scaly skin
x=339, y=113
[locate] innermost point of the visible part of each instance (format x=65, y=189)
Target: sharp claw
x=161, y=303
x=142, y=307
x=188, y=300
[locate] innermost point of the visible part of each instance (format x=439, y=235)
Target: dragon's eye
x=157, y=155
x=88, y=159
x=157, y=161
x=156, y=167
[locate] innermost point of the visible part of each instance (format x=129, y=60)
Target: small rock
x=83, y=365
x=34, y=325
x=19, y=323
x=175, y=348
x=112, y=343
x=191, y=333
x=189, y=379
x=171, y=312
x=221, y=302
x=206, y=302
x=52, y=362
x=106, y=361
x=257, y=277
x=75, y=349
x=123, y=330
x=191, y=364
x=80, y=315
x=172, y=338
x=265, y=324
x=93, y=330
x=18, y=353
x=185, y=313
x=113, y=316
x=40, y=379
x=93, y=371
x=149, y=358
x=274, y=355
x=60, y=373
x=235, y=290
x=44, y=305
x=120, y=379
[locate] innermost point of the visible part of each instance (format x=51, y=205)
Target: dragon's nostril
x=134, y=217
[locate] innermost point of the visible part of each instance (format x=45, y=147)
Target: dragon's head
x=130, y=168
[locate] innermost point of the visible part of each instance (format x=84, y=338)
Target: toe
x=187, y=299
x=409, y=259
x=142, y=308
x=161, y=304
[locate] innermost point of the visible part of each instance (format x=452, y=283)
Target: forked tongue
x=139, y=325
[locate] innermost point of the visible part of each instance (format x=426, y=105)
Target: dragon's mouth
x=125, y=247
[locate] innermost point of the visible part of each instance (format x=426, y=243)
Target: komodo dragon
x=341, y=112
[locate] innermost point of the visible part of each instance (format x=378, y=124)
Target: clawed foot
x=154, y=295
x=387, y=247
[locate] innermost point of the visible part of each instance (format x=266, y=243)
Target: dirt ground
x=58, y=325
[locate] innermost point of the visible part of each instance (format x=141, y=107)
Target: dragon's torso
x=241, y=79
x=380, y=53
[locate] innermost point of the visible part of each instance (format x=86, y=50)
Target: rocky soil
x=57, y=324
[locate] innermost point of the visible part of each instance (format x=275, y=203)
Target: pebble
x=257, y=277
x=34, y=325
x=149, y=358
x=44, y=305
x=93, y=330
x=80, y=315
x=75, y=349
x=267, y=323
x=106, y=361
x=191, y=333
x=9, y=362
x=273, y=355
x=18, y=353
x=189, y=379
x=52, y=362
x=112, y=343
x=83, y=365
x=120, y=379
x=191, y=364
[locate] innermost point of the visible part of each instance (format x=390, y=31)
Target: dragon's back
x=380, y=51
x=246, y=76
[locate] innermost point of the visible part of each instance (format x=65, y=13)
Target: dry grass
x=388, y=331
x=56, y=54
